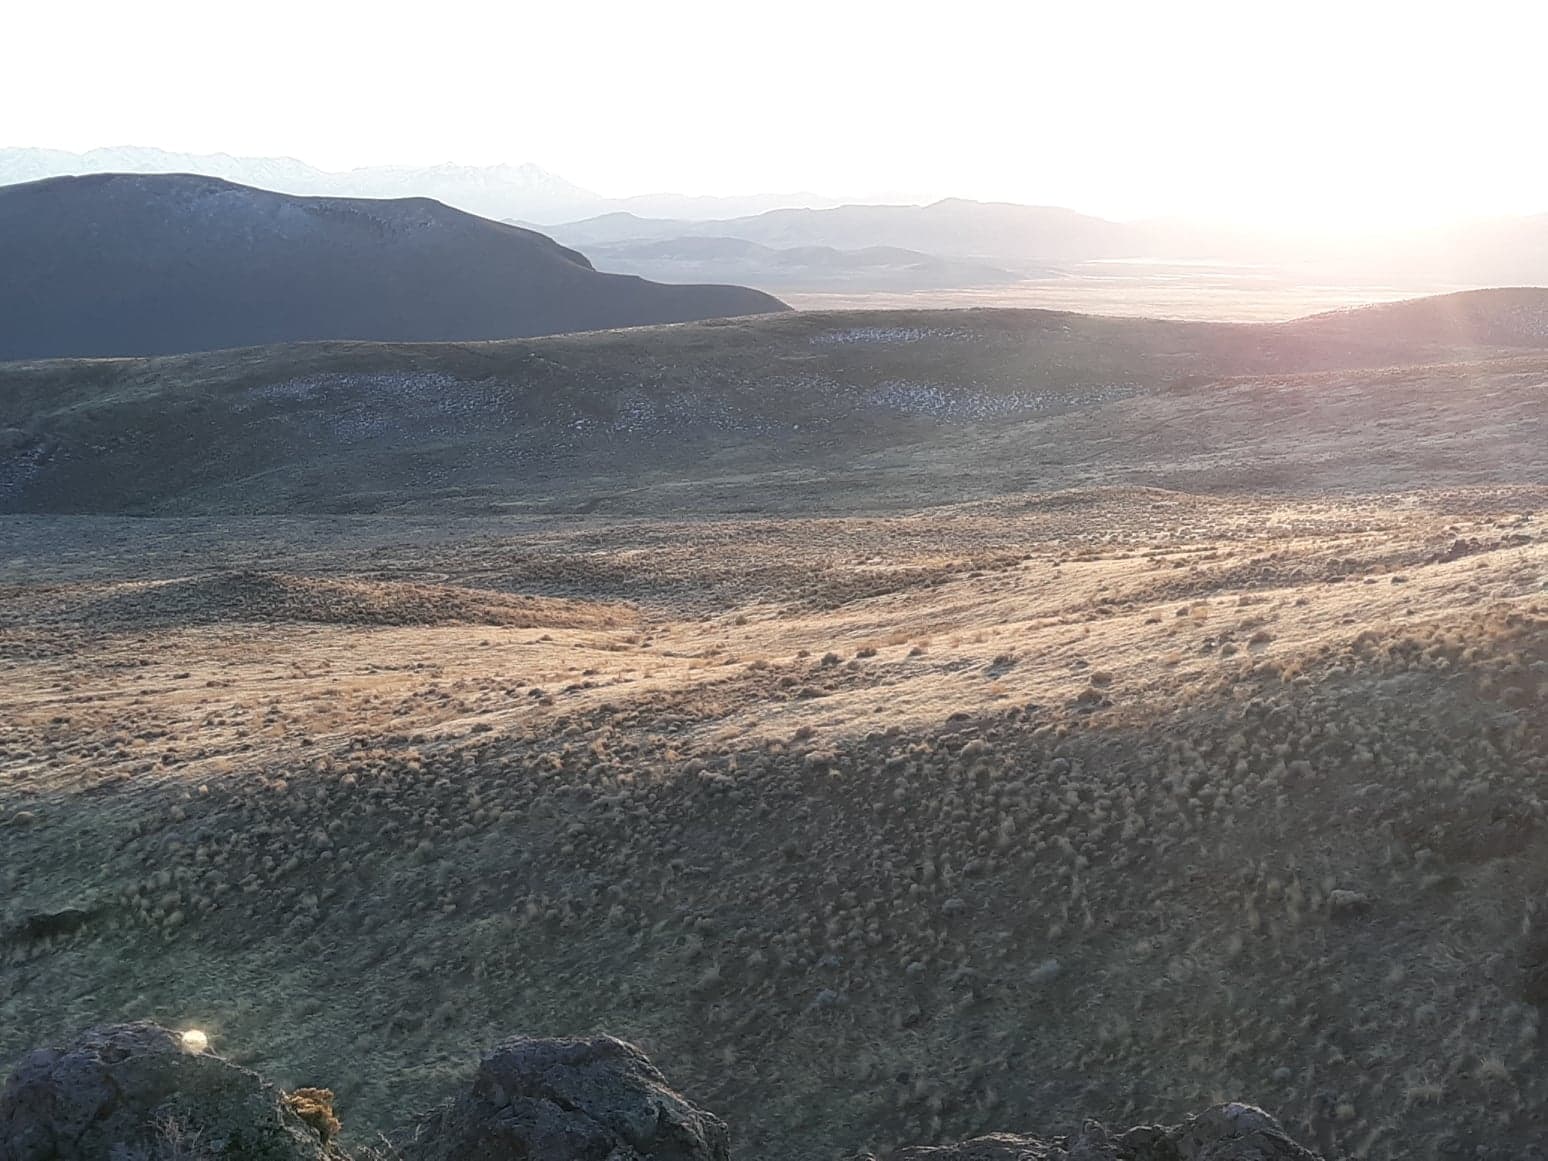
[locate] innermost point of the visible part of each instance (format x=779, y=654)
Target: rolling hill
x=140, y=265
x=765, y=413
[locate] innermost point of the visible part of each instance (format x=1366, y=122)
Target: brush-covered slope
x=595, y=418
x=874, y=830
x=129, y=264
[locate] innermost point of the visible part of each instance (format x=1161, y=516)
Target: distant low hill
x=716, y=259
x=123, y=264
x=948, y=244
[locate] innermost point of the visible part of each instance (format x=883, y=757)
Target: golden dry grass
x=928, y=824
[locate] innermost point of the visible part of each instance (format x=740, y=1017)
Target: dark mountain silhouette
x=492, y=191
x=122, y=264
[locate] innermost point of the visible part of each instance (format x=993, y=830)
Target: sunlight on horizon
x=1317, y=115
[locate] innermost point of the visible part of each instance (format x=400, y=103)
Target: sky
x=1301, y=112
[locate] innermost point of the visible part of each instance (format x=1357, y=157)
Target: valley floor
x=1152, y=290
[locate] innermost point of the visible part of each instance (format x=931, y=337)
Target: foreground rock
x=134, y=1092
x=131, y=1092
x=1231, y=1132
x=596, y=1099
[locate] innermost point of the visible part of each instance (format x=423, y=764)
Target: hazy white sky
x=1254, y=109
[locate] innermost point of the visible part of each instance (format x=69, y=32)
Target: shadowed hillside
x=760, y=414
x=120, y=264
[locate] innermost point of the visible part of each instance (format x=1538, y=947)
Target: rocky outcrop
x=1230, y=1132
x=134, y=1092
x=596, y=1099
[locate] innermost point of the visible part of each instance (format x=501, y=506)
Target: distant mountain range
x=500, y=191
x=809, y=242
x=956, y=227
x=950, y=243
x=129, y=264
x=966, y=243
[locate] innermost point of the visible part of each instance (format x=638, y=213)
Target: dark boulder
x=132, y=1092
x=42, y=925
x=596, y=1099
x=135, y=1092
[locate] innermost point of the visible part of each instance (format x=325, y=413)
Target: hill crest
x=129, y=264
x=602, y=417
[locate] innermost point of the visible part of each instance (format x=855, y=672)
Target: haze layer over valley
x=957, y=252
